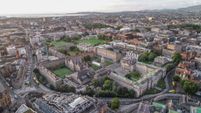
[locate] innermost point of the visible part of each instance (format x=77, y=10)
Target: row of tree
x=188, y=86
x=147, y=57
x=107, y=88
x=95, y=25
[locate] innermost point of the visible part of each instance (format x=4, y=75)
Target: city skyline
x=10, y=7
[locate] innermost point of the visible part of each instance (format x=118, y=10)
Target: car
x=173, y=84
x=15, y=96
x=37, y=82
x=27, y=83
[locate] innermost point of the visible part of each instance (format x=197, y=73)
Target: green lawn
x=161, y=84
x=73, y=53
x=96, y=58
x=134, y=76
x=62, y=72
x=92, y=41
x=95, y=67
x=58, y=43
x=107, y=62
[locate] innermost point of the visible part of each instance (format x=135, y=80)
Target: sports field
x=62, y=72
x=92, y=41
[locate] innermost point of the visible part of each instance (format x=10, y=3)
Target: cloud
x=67, y=6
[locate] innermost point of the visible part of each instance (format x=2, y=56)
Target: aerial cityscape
x=143, y=61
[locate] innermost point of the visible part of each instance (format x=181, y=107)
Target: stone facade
x=115, y=56
x=51, y=77
x=5, y=99
x=150, y=77
x=128, y=64
x=129, y=61
x=54, y=52
x=75, y=64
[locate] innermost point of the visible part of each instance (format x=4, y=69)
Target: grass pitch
x=62, y=72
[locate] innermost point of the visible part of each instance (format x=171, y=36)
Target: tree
x=169, y=66
x=115, y=103
x=177, y=58
x=89, y=91
x=152, y=56
x=189, y=87
x=176, y=78
x=131, y=93
x=87, y=58
x=66, y=88
x=95, y=83
x=147, y=57
x=107, y=85
x=74, y=48
x=107, y=93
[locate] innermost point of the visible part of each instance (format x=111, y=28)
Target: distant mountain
x=195, y=9
x=187, y=10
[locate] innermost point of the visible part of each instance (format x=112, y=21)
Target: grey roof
x=85, y=74
x=1, y=87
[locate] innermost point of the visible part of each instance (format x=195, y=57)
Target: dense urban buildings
x=124, y=62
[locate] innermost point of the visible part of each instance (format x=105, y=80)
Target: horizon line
x=81, y=12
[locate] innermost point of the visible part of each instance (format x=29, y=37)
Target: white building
x=11, y=50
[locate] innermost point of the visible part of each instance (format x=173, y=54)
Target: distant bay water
x=45, y=15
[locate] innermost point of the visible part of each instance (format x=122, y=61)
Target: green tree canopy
x=147, y=57
x=115, y=103
x=107, y=85
x=177, y=58
x=189, y=87
x=176, y=78
x=87, y=58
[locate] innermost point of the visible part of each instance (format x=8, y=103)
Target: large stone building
x=108, y=53
x=5, y=99
x=75, y=63
x=84, y=76
x=51, y=77
x=150, y=75
x=128, y=62
x=81, y=74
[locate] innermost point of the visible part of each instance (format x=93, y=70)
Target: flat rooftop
x=1, y=87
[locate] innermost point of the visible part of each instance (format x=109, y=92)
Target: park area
x=58, y=43
x=62, y=72
x=92, y=41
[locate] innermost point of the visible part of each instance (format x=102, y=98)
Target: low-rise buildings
x=24, y=109
x=161, y=61
x=64, y=103
x=5, y=99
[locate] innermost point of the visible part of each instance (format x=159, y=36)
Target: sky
x=9, y=7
